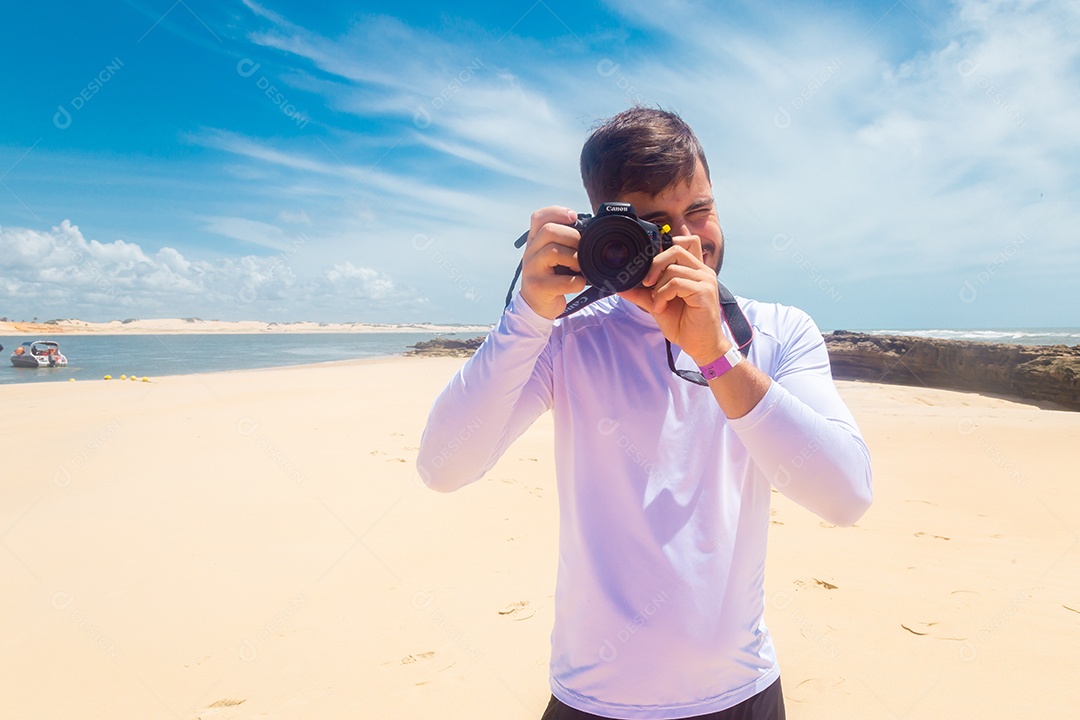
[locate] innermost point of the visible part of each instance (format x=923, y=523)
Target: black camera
x=616, y=248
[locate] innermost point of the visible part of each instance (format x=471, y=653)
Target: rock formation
x=1033, y=372
x=446, y=347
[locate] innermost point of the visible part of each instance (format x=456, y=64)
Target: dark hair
x=639, y=150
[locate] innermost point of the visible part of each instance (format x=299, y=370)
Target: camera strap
x=736, y=320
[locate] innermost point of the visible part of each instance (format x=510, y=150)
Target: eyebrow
x=696, y=205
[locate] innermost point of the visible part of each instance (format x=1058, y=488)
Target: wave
x=1019, y=336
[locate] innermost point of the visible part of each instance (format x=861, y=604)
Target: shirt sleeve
x=490, y=402
x=802, y=435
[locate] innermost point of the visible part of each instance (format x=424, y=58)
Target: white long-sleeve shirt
x=663, y=501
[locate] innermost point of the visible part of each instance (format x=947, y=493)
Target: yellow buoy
x=123, y=377
x=71, y=379
x=108, y=377
x=145, y=379
x=133, y=378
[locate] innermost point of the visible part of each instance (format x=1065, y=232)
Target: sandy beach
x=258, y=544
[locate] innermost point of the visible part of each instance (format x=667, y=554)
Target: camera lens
x=614, y=254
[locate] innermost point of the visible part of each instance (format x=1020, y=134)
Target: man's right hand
x=552, y=241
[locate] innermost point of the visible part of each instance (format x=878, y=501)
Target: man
x=664, y=485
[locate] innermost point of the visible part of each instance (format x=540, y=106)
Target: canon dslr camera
x=616, y=247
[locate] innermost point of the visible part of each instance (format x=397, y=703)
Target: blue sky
x=881, y=165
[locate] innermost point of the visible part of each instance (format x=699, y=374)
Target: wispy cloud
x=881, y=149
x=887, y=161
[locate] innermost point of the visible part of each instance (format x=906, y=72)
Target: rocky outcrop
x=1033, y=372
x=446, y=347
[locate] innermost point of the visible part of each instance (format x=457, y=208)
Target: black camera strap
x=736, y=321
x=519, y=243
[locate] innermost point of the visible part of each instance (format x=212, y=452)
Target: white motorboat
x=38, y=354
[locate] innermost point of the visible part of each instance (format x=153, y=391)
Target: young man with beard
x=659, y=598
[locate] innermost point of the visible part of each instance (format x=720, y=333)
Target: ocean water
x=91, y=357
x=1012, y=336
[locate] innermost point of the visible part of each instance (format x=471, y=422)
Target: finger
x=553, y=214
x=686, y=279
x=674, y=255
x=692, y=245
x=684, y=289
x=674, y=271
x=553, y=248
x=550, y=285
x=542, y=259
x=695, y=291
x=551, y=234
x=689, y=242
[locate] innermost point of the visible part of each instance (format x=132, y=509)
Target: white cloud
x=361, y=282
x=248, y=231
x=904, y=178
x=294, y=218
x=897, y=148
x=63, y=273
x=455, y=94
x=888, y=156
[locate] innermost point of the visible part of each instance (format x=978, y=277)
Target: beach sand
x=257, y=544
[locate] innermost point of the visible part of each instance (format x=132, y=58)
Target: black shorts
x=766, y=705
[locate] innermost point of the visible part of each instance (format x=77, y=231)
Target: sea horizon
x=91, y=356
x=1010, y=336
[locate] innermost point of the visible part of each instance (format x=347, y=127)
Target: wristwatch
x=722, y=364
